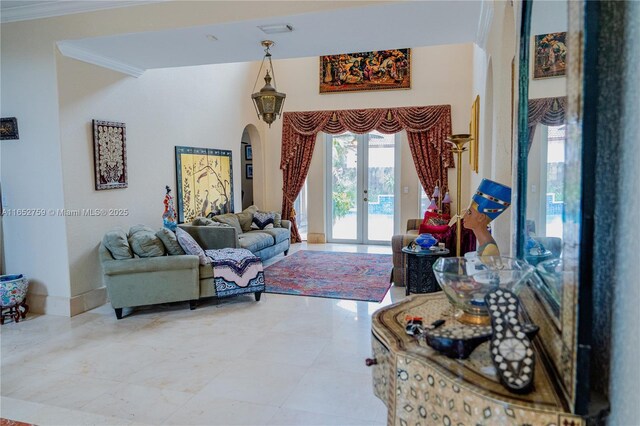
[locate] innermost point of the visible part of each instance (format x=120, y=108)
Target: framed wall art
x=550, y=54
x=249, y=171
x=110, y=155
x=248, y=153
x=474, y=131
x=9, y=128
x=376, y=70
x=205, y=182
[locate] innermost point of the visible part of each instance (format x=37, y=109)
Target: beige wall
x=32, y=168
x=440, y=75
x=163, y=108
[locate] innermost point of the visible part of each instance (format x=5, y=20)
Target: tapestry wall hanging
x=9, y=128
x=550, y=57
x=205, y=182
x=110, y=154
x=377, y=70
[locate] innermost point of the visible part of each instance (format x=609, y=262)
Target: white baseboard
x=49, y=305
x=316, y=238
x=65, y=306
x=86, y=301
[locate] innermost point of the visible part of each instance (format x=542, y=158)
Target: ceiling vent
x=276, y=28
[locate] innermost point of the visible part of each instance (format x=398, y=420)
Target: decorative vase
x=425, y=241
x=13, y=291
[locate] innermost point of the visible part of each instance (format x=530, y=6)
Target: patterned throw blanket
x=236, y=271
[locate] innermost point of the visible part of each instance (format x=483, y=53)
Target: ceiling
x=374, y=27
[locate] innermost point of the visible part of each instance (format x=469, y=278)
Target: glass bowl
x=465, y=282
x=551, y=273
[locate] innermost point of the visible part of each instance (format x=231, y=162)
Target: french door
x=362, y=188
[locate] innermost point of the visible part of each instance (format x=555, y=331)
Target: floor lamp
x=458, y=142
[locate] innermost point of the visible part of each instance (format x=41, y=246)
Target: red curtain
x=426, y=127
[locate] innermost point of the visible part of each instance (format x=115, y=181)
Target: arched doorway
x=251, y=170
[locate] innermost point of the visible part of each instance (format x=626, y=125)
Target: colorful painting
x=110, y=154
x=377, y=70
x=205, y=182
x=550, y=57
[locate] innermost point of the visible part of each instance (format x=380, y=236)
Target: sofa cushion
x=251, y=209
x=229, y=219
x=278, y=234
x=202, y=221
x=255, y=241
x=190, y=246
x=138, y=228
x=245, y=219
x=116, y=242
x=145, y=244
x=263, y=220
x=170, y=241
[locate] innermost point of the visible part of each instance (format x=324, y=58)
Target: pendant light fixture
x=268, y=101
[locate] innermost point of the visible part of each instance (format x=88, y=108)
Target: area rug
x=352, y=276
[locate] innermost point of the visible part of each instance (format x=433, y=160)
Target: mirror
x=549, y=155
x=545, y=147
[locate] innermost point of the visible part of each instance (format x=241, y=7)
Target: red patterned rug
x=352, y=276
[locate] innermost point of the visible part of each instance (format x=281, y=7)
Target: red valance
x=426, y=127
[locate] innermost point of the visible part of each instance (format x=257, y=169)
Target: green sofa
x=157, y=278
x=265, y=243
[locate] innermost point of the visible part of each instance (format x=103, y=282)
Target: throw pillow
x=263, y=220
x=190, y=246
x=116, y=242
x=138, y=228
x=245, y=218
x=229, y=219
x=251, y=209
x=170, y=241
x=146, y=244
x=202, y=221
x=437, y=221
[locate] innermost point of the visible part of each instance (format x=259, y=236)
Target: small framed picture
x=248, y=152
x=9, y=128
x=249, y=170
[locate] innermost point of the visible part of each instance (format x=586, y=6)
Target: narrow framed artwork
x=375, y=70
x=550, y=54
x=248, y=152
x=249, y=171
x=474, y=131
x=110, y=155
x=204, y=181
x=9, y=128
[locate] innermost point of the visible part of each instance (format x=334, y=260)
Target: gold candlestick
x=458, y=142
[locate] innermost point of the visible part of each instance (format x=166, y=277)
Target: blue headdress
x=492, y=198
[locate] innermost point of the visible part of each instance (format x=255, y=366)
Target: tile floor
x=286, y=360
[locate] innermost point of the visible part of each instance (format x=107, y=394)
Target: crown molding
x=58, y=8
x=484, y=23
x=83, y=55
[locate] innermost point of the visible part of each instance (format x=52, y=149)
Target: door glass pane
x=344, y=211
x=381, y=184
x=300, y=206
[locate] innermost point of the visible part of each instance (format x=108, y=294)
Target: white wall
x=163, y=108
x=440, y=75
x=32, y=168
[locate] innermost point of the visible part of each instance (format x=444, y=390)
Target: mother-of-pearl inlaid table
x=420, y=386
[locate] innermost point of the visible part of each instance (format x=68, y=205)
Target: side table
x=419, y=267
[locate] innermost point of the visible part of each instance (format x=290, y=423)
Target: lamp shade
x=268, y=101
x=433, y=205
x=436, y=192
x=447, y=198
